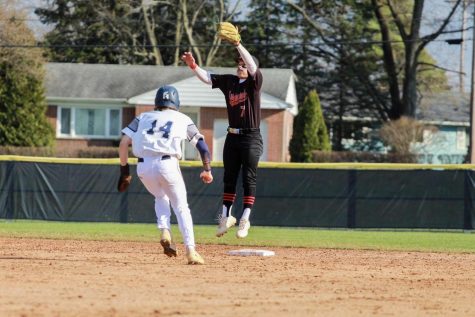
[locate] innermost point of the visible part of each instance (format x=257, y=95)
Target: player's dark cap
x=239, y=59
x=167, y=96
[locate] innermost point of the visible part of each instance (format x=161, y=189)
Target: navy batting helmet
x=167, y=96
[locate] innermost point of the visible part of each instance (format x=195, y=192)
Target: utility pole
x=472, y=96
x=462, y=49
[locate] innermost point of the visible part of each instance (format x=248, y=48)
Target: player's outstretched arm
x=247, y=58
x=230, y=33
x=203, y=75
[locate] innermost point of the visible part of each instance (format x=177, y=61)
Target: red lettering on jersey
x=237, y=99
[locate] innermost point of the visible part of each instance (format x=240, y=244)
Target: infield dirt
x=40, y=277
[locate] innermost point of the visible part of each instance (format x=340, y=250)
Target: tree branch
x=149, y=29
x=428, y=38
x=216, y=40
x=397, y=21
x=438, y=67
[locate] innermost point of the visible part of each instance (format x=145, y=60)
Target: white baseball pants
x=163, y=179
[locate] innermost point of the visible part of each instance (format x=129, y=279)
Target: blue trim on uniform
x=133, y=126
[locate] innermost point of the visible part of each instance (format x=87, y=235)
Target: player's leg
x=163, y=212
x=147, y=175
x=174, y=187
x=251, y=150
x=232, y=165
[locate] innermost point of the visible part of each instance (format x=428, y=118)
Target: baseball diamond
x=54, y=277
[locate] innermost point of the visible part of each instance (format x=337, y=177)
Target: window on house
x=427, y=136
x=114, y=122
x=461, y=138
x=89, y=122
x=65, y=115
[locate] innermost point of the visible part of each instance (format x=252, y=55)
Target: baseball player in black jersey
x=243, y=145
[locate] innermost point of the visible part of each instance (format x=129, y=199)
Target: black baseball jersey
x=242, y=99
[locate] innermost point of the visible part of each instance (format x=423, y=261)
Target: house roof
x=196, y=94
x=445, y=108
x=110, y=81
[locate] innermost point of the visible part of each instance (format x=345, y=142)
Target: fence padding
x=292, y=197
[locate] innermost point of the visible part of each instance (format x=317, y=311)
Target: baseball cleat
x=194, y=258
x=169, y=248
x=243, y=230
x=224, y=224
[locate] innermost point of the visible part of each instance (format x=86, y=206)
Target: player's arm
x=125, y=177
x=202, y=74
x=247, y=58
x=198, y=140
x=230, y=33
x=125, y=142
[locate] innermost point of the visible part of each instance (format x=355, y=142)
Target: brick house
x=89, y=104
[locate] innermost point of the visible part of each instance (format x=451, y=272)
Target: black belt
x=163, y=158
x=242, y=130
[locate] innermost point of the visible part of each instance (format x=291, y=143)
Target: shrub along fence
x=325, y=195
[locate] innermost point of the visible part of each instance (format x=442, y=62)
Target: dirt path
x=88, y=278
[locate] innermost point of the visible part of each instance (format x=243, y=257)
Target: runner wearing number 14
x=156, y=140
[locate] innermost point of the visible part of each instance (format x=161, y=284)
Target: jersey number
x=164, y=128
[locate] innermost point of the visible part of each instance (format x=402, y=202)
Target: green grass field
x=424, y=241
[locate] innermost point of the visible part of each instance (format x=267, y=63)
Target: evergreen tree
x=310, y=132
x=22, y=103
x=269, y=23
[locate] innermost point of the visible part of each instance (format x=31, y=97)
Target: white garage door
x=219, y=136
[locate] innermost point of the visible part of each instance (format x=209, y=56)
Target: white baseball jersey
x=157, y=133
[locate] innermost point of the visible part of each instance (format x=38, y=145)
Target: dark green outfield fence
x=324, y=195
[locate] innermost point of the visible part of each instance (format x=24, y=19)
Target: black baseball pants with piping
x=242, y=151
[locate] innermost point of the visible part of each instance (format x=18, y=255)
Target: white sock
x=224, y=213
x=246, y=213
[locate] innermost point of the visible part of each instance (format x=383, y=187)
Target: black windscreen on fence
x=293, y=197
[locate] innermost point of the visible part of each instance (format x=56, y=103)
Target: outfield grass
x=427, y=241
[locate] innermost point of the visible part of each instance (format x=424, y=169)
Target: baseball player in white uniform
x=156, y=138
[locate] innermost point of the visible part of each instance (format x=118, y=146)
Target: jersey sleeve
x=193, y=135
x=131, y=128
x=221, y=81
x=216, y=81
x=257, y=79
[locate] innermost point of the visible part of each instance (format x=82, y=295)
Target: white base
x=251, y=252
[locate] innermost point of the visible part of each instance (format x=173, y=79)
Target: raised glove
x=124, y=179
x=229, y=33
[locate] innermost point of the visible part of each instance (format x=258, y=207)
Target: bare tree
x=147, y=6
x=189, y=22
x=391, y=15
x=414, y=44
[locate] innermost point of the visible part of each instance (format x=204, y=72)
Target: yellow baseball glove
x=229, y=33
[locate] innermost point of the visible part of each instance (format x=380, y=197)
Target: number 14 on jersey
x=164, y=128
